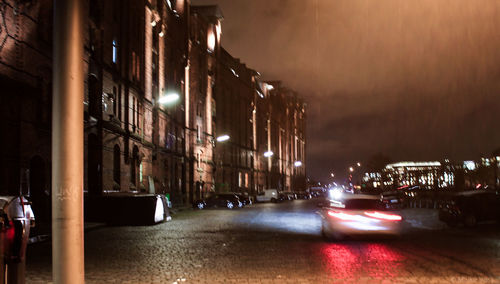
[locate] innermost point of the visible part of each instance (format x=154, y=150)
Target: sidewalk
x=43, y=232
x=176, y=209
x=423, y=218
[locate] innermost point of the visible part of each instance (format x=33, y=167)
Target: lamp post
x=220, y=139
x=67, y=143
x=168, y=99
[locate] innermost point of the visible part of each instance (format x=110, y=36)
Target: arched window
x=116, y=164
x=133, y=166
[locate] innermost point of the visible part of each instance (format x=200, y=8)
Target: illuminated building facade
x=134, y=143
x=136, y=54
x=281, y=135
x=425, y=175
x=202, y=71
x=436, y=175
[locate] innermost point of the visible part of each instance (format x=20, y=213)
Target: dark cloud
x=415, y=79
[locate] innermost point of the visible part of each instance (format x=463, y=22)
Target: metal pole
x=67, y=143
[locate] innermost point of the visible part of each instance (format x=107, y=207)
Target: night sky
x=412, y=79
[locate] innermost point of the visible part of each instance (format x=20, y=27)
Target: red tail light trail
x=384, y=216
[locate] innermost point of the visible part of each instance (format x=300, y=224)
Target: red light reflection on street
x=340, y=261
x=348, y=261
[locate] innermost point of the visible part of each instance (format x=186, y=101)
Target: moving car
x=470, y=208
x=227, y=200
x=355, y=214
x=267, y=195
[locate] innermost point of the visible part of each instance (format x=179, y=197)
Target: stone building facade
x=204, y=50
x=235, y=99
x=281, y=134
x=136, y=53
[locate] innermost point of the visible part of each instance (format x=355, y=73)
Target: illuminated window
x=140, y=172
x=211, y=41
x=115, y=51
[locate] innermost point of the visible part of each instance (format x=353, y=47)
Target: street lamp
x=351, y=169
x=222, y=138
x=168, y=98
x=268, y=154
x=359, y=164
x=297, y=164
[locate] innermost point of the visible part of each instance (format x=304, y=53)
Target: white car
x=358, y=214
x=267, y=195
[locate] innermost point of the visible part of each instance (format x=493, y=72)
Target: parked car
x=357, y=214
x=470, y=208
x=282, y=197
x=303, y=195
x=267, y=195
x=289, y=195
x=244, y=198
x=393, y=199
x=227, y=200
x=317, y=191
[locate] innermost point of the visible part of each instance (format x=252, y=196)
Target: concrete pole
x=67, y=143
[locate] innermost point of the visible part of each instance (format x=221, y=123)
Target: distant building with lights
x=436, y=175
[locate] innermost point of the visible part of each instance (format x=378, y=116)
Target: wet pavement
x=280, y=243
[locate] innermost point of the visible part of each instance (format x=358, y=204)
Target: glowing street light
x=268, y=154
x=351, y=169
x=169, y=98
x=332, y=174
x=297, y=164
x=223, y=138
x=359, y=164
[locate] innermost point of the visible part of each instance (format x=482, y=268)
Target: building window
x=115, y=51
x=119, y=103
x=199, y=109
x=115, y=103
x=136, y=66
x=116, y=164
x=140, y=173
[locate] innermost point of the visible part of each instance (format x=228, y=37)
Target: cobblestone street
x=276, y=243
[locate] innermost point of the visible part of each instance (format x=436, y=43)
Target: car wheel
x=229, y=205
x=273, y=200
x=470, y=220
x=200, y=205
